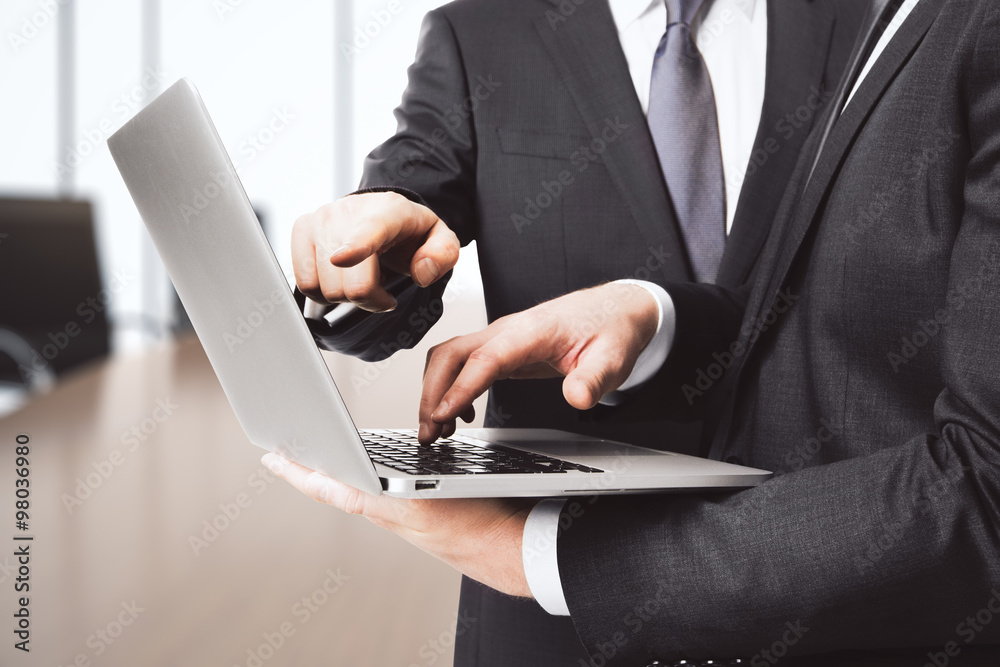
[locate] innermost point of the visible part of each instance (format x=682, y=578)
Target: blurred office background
x=300, y=91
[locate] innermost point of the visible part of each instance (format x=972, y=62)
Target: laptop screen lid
x=191, y=200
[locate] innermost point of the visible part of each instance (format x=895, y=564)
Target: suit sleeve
x=431, y=160
x=897, y=548
x=708, y=320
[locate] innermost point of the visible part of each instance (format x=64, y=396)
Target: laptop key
x=401, y=451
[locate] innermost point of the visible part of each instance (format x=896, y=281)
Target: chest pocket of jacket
x=560, y=212
x=555, y=145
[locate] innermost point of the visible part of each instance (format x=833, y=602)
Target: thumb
x=437, y=256
x=599, y=371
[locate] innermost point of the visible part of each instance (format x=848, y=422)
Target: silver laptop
x=191, y=201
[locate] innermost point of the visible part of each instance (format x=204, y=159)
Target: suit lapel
x=799, y=35
x=588, y=55
x=841, y=138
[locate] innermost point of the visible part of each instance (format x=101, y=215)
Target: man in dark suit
x=862, y=369
x=523, y=128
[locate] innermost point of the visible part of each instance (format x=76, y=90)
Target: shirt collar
x=625, y=12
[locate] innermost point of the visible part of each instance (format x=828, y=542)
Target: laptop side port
x=426, y=484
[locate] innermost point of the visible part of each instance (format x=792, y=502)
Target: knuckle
x=308, y=285
x=383, y=204
x=316, y=488
x=332, y=210
x=354, y=502
x=332, y=293
x=306, y=279
x=358, y=290
x=532, y=322
x=450, y=251
x=485, y=357
x=427, y=404
x=441, y=352
x=302, y=224
x=394, y=200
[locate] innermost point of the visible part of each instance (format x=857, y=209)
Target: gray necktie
x=685, y=128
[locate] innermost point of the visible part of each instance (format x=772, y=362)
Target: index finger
x=379, y=230
x=444, y=362
x=497, y=359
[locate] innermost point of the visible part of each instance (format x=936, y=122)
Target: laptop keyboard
x=458, y=455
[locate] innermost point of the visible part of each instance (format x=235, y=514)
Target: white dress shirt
x=541, y=565
x=732, y=38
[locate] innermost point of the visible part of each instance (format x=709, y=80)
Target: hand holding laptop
x=479, y=537
x=345, y=251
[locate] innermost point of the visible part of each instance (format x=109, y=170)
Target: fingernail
x=425, y=272
x=270, y=461
x=325, y=492
x=340, y=251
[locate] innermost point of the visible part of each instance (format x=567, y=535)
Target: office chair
x=52, y=305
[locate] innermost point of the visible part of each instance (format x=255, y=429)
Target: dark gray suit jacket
x=864, y=371
x=521, y=129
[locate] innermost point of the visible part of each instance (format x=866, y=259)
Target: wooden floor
x=181, y=550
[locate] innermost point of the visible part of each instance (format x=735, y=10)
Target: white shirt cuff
x=653, y=356
x=538, y=553
x=332, y=313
